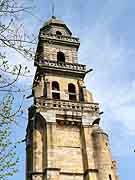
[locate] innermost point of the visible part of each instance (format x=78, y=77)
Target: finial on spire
x=53, y=10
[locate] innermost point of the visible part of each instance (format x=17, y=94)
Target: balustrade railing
x=71, y=66
x=68, y=105
x=60, y=37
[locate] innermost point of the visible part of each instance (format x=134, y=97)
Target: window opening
x=61, y=57
x=55, y=86
x=58, y=33
x=110, y=177
x=55, y=90
x=56, y=96
x=72, y=92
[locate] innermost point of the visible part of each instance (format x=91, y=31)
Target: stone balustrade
x=60, y=37
x=68, y=105
x=70, y=66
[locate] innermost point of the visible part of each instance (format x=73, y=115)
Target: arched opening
x=96, y=121
x=55, y=90
x=71, y=88
x=58, y=33
x=55, y=86
x=72, y=92
x=60, y=57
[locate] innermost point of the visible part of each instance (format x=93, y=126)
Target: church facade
x=64, y=140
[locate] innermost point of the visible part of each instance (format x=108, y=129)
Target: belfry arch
x=60, y=57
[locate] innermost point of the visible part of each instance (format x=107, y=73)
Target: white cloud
x=113, y=81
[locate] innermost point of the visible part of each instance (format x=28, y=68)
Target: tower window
x=110, y=177
x=61, y=57
x=58, y=33
x=55, y=90
x=72, y=92
x=55, y=86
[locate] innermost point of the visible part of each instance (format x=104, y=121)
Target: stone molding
x=67, y=105
x=60, y=38
x=67, y=66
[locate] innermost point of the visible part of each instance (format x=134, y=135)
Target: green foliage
x=8, y=156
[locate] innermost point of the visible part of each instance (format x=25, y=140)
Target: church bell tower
x=64, y=140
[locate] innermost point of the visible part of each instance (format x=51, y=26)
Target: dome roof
x=57, y=22
x=54, y=20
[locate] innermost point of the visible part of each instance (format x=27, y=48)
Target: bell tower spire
x=64, y=139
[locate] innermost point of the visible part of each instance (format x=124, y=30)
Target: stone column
x=48, y=89
x=51, y=141
x=90, y=171
x=51, y=170
x=84, y=93
x=38, y=148
x=102, y=154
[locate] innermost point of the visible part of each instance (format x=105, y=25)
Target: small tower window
x=60, y=57
x=55, y=86
x=55, y=90
x=72, y=92
x=58, y=33
x=110, y=177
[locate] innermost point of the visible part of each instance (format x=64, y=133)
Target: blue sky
x=106, y=31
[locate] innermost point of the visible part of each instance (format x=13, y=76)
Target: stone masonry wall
x=50, y=52
x=63, y=83
x=68, y=147
x=56, y=28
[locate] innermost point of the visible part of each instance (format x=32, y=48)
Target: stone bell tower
x=64, y=140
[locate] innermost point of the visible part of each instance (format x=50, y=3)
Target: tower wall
x=103, y=155
x=67, y=150
x=50, y=52
x=64, y=140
